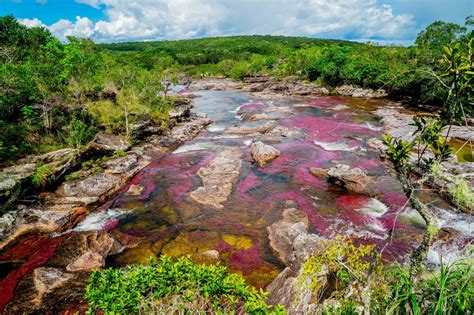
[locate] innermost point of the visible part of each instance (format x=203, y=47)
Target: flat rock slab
x=250, y=130
x=218, y=177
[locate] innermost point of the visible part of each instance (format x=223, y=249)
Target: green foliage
x=77, y=133
x=398, y=150
x=352, y=266
x=42, y=176
x=450, y=290
x=463, y=196
x=168, y=285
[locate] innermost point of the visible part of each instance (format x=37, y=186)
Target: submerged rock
x=352, y=179
x=263, y=153
x=218, y=177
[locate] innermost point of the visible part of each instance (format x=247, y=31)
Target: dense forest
x=56, y=94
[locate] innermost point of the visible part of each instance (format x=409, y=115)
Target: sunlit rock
x=263, y=153
x=352, y=179
x=218, y=178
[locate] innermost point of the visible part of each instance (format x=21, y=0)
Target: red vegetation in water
x=352, y=202
x=246, y=259
x=249, y=182
x=327, y=129
x=37, y=251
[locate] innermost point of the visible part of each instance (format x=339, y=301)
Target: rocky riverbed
x=281, y=167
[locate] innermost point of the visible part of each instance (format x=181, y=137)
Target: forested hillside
x=56, y=94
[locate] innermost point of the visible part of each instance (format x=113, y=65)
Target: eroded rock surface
x=289, y=238
x=250, y=130
x=263, y=153
x=105, y=143
x=352, y=179
x=398, y=124
x=218, y=177
x=56, y=161
x=356, y=91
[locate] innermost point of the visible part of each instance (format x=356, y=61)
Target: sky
x=105, y=21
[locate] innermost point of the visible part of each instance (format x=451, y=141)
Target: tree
x=457, y=78
x=437, y=35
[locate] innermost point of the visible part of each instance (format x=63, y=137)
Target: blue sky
x=397, y=21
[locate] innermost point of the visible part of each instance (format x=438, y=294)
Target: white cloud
x=178, y=19
x=31, y=22
x=83, y=27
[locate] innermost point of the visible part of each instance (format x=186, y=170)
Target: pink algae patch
x=327, y=129
x=352, y=202
x=248, y=183
x=37, y=251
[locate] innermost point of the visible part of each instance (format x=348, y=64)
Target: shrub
x=42, y=176
x=462, y=193
x=352, y=267
x=173, y=285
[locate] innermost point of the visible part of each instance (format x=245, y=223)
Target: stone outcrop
x=398, y=124
x=263, y=153
x=107, y=143
x=58, y=162
x=216, y=84
x=98, y=247
x=356, y=91
x=265, y=86
x=283, y=233
x=292, y=243
x=218, y=178
x=351, y=179
x=48, y=279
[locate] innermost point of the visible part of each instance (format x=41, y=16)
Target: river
x=156, y=214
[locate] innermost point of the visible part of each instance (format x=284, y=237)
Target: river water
x=155, y=214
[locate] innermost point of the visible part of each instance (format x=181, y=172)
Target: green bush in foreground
x=174, y=286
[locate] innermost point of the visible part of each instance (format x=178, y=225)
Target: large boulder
x=263, y=153
x=283, y=233
x=352, y=179
x=106, y=143
x=218, y=177
x=98, y=247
